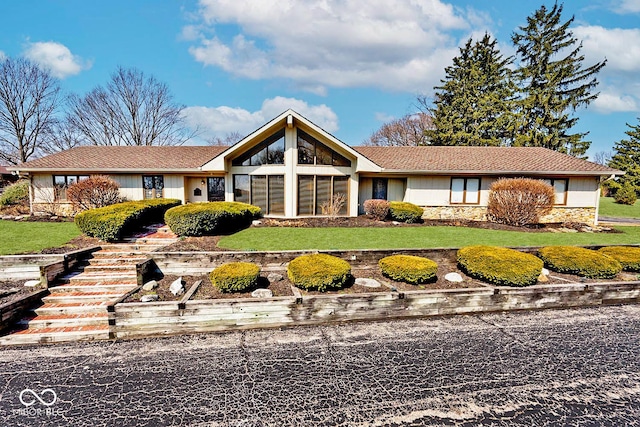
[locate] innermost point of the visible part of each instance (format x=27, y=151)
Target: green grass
x=610, y=208
x=276, y=238
x=24, y=237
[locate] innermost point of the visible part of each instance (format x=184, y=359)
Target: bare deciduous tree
x=28, y=99
x=132, y=109
x=408, y=130
x=61, y=136
x=602, y=157
x=229, y=139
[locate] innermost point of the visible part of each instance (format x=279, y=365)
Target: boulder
x=453, y=278
x=31, y=283
x=274, y=277
x=149, y=286
x=149, y=298
x=256, y=222
x=542, y=278
x=369, y=283
x=177, y=287
x=262, y=293
x=545, y=272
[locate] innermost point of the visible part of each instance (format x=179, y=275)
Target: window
x=316, y=191
x=62, y=182
x=465, y=191
x=215, y=189
x=560, y=187
x=264, y=191
x=313, y=152
x=153, y=186
x=380, y=186
x=268, y=152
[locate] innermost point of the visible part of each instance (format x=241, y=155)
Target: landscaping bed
x=13, y=290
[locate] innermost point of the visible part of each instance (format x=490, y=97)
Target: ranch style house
x=290, y=168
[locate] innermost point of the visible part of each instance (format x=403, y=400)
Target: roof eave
x=500, y=172
x=105, y=170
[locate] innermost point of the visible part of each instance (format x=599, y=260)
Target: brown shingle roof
x=4, y=170
x=480, y=160
x=110, y=158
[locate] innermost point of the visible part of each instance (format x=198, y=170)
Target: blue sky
x=346, y=65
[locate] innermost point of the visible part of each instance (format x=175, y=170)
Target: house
x=290, y=167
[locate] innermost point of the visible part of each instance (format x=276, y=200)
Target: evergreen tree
x=552, y=82
x=627, y=157
x=473, y=105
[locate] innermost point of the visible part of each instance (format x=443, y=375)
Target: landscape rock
x=453, y=277
x=395, y=223
x=6, y=217
x=545, y=271
x=31, y=283
x=256, y=222
x=177, y=287
x=19, y=217
x=275, y=277
x=149, y=298
x=542, y=278
x=369, y=283
x=262, y=293
x=149, y=286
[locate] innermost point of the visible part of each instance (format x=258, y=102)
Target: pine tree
x=473, y=105
x=627, y=157
x=552, y=82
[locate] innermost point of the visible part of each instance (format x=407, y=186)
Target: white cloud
x=220, y=121
x=57, y=58
x=627, y=6
x=612, y=102
x=620, y=46
x=393, y=44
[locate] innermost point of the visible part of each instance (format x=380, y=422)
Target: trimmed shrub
x=210, y=218
x=626, y=195
x=405, y=212
x=519, y=201
x=320, y=272
x=94, y=192
x=500, y=266
x=15, y=194
x=628, y=256
x=580, y=261
x=409, y=268
x=110, y=223
x=377, y=209
x=235, y=276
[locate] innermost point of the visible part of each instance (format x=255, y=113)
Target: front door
x=215, y=189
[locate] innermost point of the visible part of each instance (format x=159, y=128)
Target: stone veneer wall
x=479, y=213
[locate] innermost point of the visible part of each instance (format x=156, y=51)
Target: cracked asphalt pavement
x=577, y=367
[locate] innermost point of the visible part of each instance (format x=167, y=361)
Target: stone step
x=115, y=260
x=74, y=297
x=96, y=278
x=110, y=268
x=121, y=288
x=49, y=309
x=56, y=335
x=33, y=321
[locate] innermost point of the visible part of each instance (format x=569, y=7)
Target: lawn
x=610, y=208
x=22, y=237
x=281, y=238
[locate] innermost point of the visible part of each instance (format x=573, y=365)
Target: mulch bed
x=11, y=290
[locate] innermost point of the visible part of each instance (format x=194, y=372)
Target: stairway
x=76, y=309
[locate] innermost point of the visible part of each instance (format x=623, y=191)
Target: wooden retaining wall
x=12, y=311
x=131, y=320
x=25, y=267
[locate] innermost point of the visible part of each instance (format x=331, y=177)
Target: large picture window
x=560, y=188
x=264, y=191
x=465, y=191
x=153, y=186
x=315, y=192
x=313, y=152
x=62, y=182
x=268, y=152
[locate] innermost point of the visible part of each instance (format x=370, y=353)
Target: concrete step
x=52, y=309
x=33, y=321
x=77, y=297
x=56, y=335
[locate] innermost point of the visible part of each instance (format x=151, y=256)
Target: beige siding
x=364, y=192
x=396, y=190
x=173, y=187
x=130, y=185
x=428, y=190
x=42, y=188
x=583, y=192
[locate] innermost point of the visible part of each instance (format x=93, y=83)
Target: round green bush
x=319, y=272
x=626, y=195
x=409, y=268
x=500, y=266
x=405, y=212
x=580, y=261
x=235, y=276
x=15, y=194
x=210, y=218
x=628, y=256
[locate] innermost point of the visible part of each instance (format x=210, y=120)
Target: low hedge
x=579, y=261
x=235, y=276
x=500, y=266
x=211, y=218
x=15, y=194
x=319, y=272
x=409, y=268
x=405, y=212
x=110, y=223
x=628, y=256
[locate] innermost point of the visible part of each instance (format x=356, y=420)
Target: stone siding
x=479, y=213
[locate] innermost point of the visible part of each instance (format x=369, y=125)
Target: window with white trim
x=465, y=191
x=560, y=187
x=62, y=182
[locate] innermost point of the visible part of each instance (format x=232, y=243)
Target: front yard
x=608, y=207
x=17, y=237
